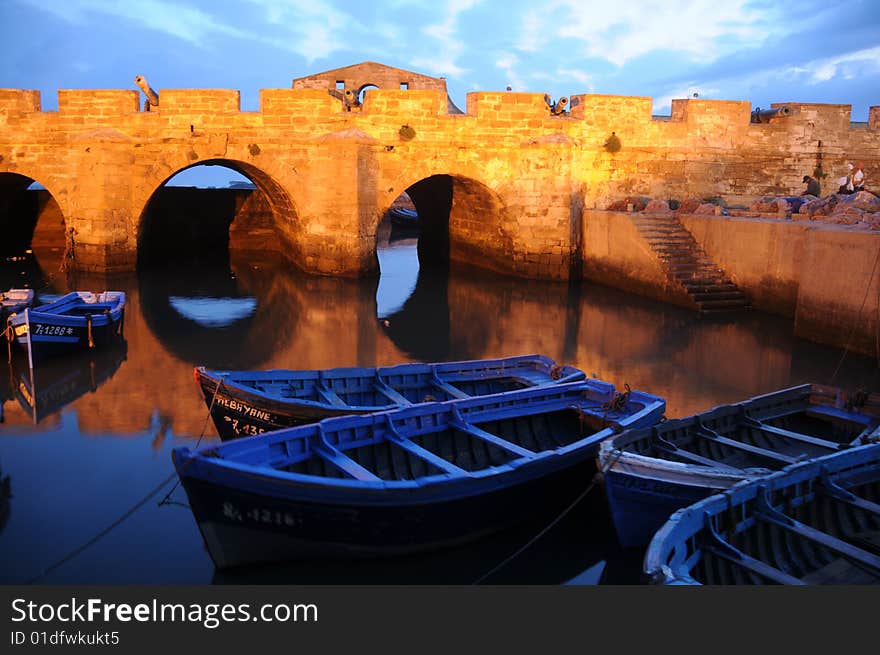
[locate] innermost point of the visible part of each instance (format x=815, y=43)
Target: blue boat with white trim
x=650, y=473
x=411, y=479
x=813, y=523
x=79, y=320
x=244, y=403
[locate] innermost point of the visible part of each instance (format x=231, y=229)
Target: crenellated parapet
x=330, y=168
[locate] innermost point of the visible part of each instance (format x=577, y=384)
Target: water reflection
x=47, y=388
x=255, y=312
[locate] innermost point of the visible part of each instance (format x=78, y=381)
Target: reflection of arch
x=157, y=214
x=420, y=328
x=236, y=341
x=28, y=217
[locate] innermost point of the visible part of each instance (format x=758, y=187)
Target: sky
x=761, y=51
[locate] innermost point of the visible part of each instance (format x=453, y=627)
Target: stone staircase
x=689, y=266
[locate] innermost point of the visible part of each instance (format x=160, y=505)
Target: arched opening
x=32, y=226
x=363, y=90
x=201, y=212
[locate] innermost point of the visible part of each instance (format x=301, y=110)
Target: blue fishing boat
x=814, y=523
x=252, y=402
x=13, y=301
x=75, y=321
x=411, y=479
x=651, y=473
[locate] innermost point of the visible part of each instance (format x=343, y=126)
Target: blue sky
x=761, y=51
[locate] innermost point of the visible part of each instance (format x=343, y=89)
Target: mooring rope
x=165, y=500
x=596, y=479
x=76, y=551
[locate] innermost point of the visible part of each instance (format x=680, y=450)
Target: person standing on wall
x=858, y=178
x=846, y=182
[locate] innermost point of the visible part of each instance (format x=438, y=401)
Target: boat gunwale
x=493, y=407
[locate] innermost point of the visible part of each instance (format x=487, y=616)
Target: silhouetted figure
x=813, y=187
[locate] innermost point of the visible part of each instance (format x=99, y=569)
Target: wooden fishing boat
x=13, y=301
x=411, y=479
x=75, y=321
x=252, y=402
x=813, y=523
x=403, y=216
x=653, y=472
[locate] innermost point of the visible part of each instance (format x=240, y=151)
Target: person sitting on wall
x=858, y=178
x=846, y=182
x=813, y=188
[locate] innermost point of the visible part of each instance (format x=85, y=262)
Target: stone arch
x=462, y=218
x=32, y=219
x=254, y=218
x=363, y=89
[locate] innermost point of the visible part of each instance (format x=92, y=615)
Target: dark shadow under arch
x=202, y=224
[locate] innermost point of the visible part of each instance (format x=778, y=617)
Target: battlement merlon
x=20, y=101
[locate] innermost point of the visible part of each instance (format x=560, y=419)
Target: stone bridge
x=503, y=185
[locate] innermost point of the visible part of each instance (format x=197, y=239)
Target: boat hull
x=239, y=408
x=649, y=474
x=813, y=523
x=75, y=322
x=248, y=527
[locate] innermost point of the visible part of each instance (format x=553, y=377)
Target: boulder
x=658, y=207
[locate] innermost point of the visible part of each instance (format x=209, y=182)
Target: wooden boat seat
x=706, y=433
x=474, y=431
x=393, y=395
x=837, y=413
x=670, y=448
x=794, y=436
x=343, y=463
x=448, y=388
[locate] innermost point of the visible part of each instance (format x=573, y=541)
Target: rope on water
x=102, y=533
x=596, y=479
x=165, y=500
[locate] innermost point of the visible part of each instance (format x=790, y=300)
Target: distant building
x=358, y=77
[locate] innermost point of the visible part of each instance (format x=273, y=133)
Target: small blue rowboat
x=815, y=523
x=13, y=301
x=78, y=320
x=651, y=473
x=244, y=403
x=407, y=480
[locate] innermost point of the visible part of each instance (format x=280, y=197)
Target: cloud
x=704, y=29
x=445, y=32
x=848, y=65
x=181, y=21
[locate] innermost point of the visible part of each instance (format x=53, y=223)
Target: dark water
x=87, y=470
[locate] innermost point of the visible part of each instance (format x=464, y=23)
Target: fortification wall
x=328, y=174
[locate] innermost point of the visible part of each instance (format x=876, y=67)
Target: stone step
x=703, y=280
x=718, y=295
x=710, y=288
x=718, y=304
x=721, y=311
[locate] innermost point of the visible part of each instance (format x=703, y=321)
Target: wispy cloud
x=448, y=43
x=175, y=19
x=848, y=66
x=703, y=29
